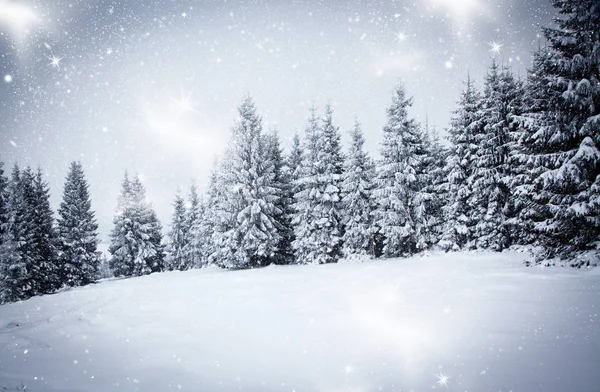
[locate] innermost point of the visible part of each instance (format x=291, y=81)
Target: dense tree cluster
x=39, y=255
x=522, y=168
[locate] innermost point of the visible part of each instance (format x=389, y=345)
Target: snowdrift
x=456, y=322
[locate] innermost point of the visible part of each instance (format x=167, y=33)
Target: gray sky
x=152, y=86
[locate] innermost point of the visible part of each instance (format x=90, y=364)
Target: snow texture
x=474, y=321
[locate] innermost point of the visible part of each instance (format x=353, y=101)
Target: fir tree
x=12, y=270
x=530, y=147
x=491, y=195
x=218, y=215
x=77, y=230
x=198, y=231
x=136, y=237
x=466, y=128
x=317, y=218
x=283, y=184
x=567, y=189
x=176, y=259
x=156, y=248
x=4, y=197
x=400, y=215
x=251, y=235
x=435, y=189
x=43, y=268
x=357, y=200
x=294, y=162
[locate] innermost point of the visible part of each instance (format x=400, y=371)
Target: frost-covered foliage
x=317, y=219
x=248, y=231
x=38, y=242
x=561, y=133
x=12, y=269
x=77, y=229
x=136, y=240
x=465, y=129
x=29, y=264
x=491, y=177
x=177, y=238
x=435, y=189
x=400, y=181
x=357, y=198
x=282, y=181
x=197, y=231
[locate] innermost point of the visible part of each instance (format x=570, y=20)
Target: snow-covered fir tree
x=466, y=128
x=4, y=196
x=135, y=247
x=77, y=230
x=401, y=214
x=434, y=188
x=491, y=194
x=249, y=232
x=178, y=236
x=530, y=145
x=294, y=162
x=317, y=202
x=156, y=248
x=216, y=212
x=43, y=270
x=198, y=231
x=12, y=269
x=564, y=149
x=284, y=211
x=357, y=198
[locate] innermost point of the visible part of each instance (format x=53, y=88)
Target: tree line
x=522, y=168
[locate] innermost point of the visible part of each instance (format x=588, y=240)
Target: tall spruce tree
x=156, y=248
x=491, y=193
x=12, y=269
x=135, y=247
x=284, y=211
x=435, y=189
x=4, y=196
x=251, y=235
x=400, y=215
x=294, y=162
x=317, y=218
x=77, y=230
x=178, y=237
x=530, y=146
x=566, y=192
x=218, y=215
x=198, y=231
x=466, y=128
x=45, y=273
x=357, y=198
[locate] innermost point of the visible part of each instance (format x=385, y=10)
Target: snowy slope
x=398, y=325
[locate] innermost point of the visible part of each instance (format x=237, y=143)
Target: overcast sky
x=152, y=86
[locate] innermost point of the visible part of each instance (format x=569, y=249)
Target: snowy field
x=457, y=322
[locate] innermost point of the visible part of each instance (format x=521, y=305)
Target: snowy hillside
x=456, y=322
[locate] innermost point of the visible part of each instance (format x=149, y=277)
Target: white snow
x=455, y=322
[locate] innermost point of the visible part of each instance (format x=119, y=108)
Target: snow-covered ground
x=456, y=322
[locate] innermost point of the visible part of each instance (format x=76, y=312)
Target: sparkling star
x=55, y=61
x=185, y=104
x=495, y=47
x=348, y=369
x=442, y=379
x=401, y=37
